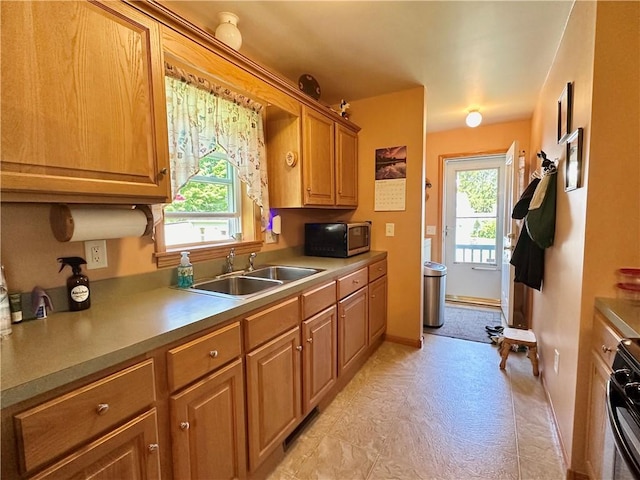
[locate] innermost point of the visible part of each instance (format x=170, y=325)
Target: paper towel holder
x=63, y=223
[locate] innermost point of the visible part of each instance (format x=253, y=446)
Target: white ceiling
x=491, y=55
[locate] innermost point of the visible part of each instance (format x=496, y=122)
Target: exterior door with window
x=473, y=219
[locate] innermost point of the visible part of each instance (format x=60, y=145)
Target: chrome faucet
x=252, y=257
x=230, y=258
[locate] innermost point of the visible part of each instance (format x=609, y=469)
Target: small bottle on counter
x=185, y=271
x=5, y=311
x=15, y=304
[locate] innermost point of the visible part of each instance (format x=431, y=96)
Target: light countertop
x=41, y=355
x=623, y=314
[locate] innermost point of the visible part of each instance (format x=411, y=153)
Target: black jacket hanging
x=527, y=258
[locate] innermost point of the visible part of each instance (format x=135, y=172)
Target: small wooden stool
x=515, y=336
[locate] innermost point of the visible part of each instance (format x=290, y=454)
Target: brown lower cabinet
x=353, y=335
x=207, y=427
x=604, y=343
x=131, y=452
x=273, y=394
x=377, y=308
x=320, y=356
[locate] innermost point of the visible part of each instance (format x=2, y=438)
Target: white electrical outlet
x=95, y=252
x=556, y=360
x=391, y=227
x=431, y=229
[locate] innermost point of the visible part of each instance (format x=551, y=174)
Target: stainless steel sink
x=283, y=273
x=239, y=286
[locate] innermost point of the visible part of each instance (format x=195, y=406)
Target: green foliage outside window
x=481, y=188
x=209, y=191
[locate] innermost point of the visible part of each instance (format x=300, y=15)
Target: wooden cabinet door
x=130, y=451
x=208, y=427
x=83, y=103
x=352, y=329
x=346, y=167
x=320, y=356
x=597, y=419
x=318, y=158
x=377, y=308
x=273, y=394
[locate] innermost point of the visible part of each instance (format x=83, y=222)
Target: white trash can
x=434, y=290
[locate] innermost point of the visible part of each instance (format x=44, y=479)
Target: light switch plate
x=390, y=229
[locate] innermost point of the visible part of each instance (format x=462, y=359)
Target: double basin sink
x=246, y=284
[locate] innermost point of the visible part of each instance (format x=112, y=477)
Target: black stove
x=623, y=403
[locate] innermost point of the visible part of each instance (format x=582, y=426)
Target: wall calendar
x=391, y=179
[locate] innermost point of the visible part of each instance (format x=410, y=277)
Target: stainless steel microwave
x=338, y=239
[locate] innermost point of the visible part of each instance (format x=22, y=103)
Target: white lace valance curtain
x=203, y=117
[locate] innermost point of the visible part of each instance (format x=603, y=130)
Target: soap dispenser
x=185, y=271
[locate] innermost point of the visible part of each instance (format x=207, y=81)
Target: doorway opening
x=473, y=216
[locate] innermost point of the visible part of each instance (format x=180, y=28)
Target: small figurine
x=344, y=105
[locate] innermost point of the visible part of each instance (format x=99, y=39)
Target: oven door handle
x=622, y=443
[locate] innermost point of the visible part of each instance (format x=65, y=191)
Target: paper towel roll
x=72, y=224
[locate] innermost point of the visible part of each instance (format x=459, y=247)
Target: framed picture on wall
x=564, y=113
x=573, y=161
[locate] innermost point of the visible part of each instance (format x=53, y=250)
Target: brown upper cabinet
x=83, y=104
x=326, y=175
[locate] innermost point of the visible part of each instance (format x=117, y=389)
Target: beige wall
x=387, y=121
x=598, y=225
x=465, y=141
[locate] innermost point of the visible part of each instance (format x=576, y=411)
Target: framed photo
x=564, y=113
x=573, y=161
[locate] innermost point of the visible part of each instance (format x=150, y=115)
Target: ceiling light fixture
x=474, y=118
x=227, y=32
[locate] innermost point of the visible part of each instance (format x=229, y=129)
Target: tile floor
x=443, y=412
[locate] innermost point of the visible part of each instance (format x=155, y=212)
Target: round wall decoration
x=309, y=85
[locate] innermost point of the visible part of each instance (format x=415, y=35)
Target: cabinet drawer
x=604, y=339
x=269, y=323
x=318, y=299
x=61, y=424
x=192, y=360
x=352, y=282
x=377, y=270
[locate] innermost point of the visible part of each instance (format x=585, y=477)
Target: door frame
x=441, y=176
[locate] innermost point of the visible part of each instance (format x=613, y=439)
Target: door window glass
x=476, y=216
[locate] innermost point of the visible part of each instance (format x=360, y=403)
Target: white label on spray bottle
x=79, y=293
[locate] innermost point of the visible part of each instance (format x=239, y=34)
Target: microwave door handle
x=618, y=434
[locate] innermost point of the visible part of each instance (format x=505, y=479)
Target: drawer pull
x=342, y=316
x=153, y=447
x=102, y=408
x=379, y=269
x=299, y=348
x=184, y=425
x=213, y=353
x=606, y=349
x=310, y=340
x=355, y=282
x=164, y=171
x=373, y=296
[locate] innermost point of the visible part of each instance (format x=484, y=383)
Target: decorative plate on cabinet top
x=309, y=85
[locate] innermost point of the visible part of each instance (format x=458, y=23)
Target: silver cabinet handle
x=213, y=353
x=310, y=340
x=153, y=447
x=606, y=349
x=164, y=171
x=184, y=425
x=102, y=408
x=299, y=348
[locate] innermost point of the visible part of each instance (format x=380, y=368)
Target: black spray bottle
x=77, y=284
